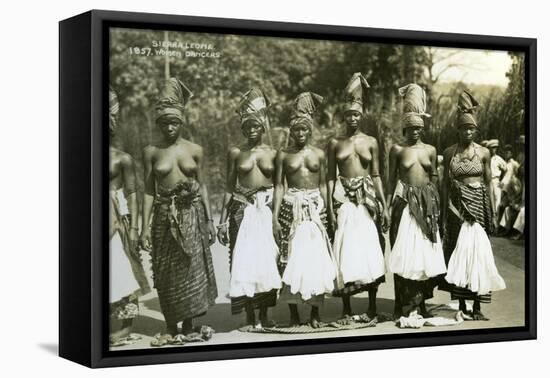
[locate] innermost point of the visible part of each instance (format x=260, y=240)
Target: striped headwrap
x=173, y=98
x=113, y=103
x=414, y=105
x=113, y=109
x=356, y=94
x=303, y=108
x=467, y=104
x=253, y=107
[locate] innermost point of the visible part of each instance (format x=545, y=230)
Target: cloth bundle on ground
x=414, y=320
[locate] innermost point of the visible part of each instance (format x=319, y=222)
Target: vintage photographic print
x=266, y=189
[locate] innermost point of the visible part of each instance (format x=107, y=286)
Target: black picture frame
x=83, y=86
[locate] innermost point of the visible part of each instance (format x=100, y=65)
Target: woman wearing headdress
x=181, y=230
x=245, y=222
x=416, y=258
x=357, y=207
x=468, y=214
x=299, y=221
x=124, y=288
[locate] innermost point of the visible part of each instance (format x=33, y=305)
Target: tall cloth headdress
x=173, y=98
x=467, y=105
x=355, y=94
x=414, y=105
x=304, y=107
x=253, y=107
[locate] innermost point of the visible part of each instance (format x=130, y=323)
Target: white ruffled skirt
x=357, y=249
x=254, y=265
x=414, y=256
x=310, y=269
x=472, y=265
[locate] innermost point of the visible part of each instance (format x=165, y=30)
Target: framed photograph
x=234, y=188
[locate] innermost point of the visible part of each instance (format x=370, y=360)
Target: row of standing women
x=301, y=224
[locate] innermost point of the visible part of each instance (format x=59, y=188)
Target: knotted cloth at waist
x=423, y=204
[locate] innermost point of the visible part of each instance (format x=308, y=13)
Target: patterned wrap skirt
x=183, y=273
x=471, y=270
x=243, y=198
x=305, y=262
x=416, y=259
x=359, y=239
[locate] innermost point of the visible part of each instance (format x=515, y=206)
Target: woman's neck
x=169, y=143
x=466, y=144
x=251, y=143
x=352, y=131
x=412, y=143
x=300, y=147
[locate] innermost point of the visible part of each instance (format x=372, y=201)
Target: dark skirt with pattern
x=286, y=217
x=474, y=206
x=352, y=288
x=183, y=273
x=236, y=212
x=425, y=206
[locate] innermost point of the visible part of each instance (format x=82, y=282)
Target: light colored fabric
x=254, y=265
x=414, y=320
x=497, y=166
x=519, y=224
x=357, y=249
x=310, y=270
x=472, y=265
x=512, y=167
x=413, y=255
x=497, y=192
x=414, y=105
x=121, y=278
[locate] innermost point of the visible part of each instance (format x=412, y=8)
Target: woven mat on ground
x=356, y=322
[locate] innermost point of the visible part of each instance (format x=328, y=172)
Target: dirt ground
x=506, y=310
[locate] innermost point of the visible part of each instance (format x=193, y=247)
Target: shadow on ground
x=50, y=348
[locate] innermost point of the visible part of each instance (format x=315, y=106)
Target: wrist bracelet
x=226, y=223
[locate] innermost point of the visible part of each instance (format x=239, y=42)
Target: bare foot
x=315, y=323
x=478, y=315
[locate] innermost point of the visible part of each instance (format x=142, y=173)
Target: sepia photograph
x=266, y=189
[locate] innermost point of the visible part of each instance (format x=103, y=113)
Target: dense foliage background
x=285, y=67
